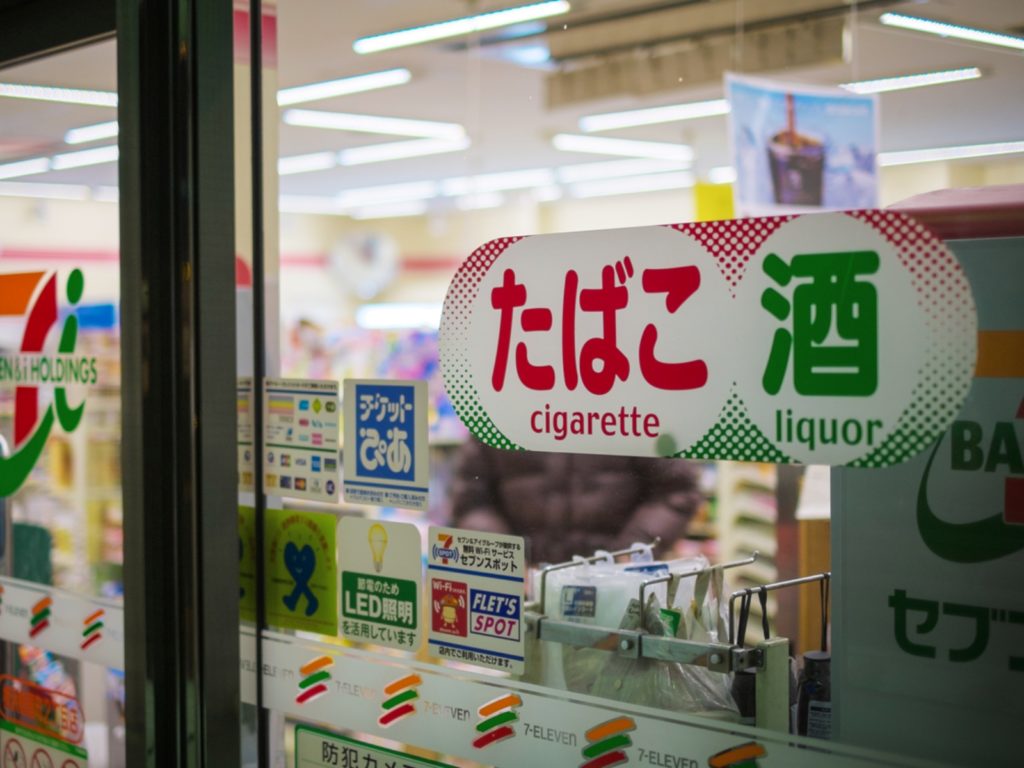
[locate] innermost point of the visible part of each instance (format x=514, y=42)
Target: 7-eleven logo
x=34, y=295
x=314, y=677
x=607, y=743
x=443, y=548
x=40, y=618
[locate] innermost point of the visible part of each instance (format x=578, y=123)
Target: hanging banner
x=301, y=426
x=386, y=429
x=841, y=338
x=798, y=147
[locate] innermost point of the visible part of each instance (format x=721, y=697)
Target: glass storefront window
x=60, y=411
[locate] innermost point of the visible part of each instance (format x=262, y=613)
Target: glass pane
x=60, y=409
x=394, y=164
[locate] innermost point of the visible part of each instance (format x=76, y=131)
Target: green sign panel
x=379, y=599
x=316, y=748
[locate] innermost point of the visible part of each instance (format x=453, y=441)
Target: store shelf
x=747, y=518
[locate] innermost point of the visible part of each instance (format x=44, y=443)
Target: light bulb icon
x=378, y=538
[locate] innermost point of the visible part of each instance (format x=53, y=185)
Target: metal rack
x=768, y=658
x=717, y=657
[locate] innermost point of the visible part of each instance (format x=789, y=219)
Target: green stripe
x=43, y=738
x=323, y=674
x=44, y=614
x=494, y=722
x=89, y=630
x=401, y=698
x=622, y=740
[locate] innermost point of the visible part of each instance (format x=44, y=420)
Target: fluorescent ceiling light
x=722, y=174
x=390, y=210
x=44, y=191
x=653, y=115
x=598, y=145
x=387, y=193
x=497, y=182
x=24, y=167
x=315, y=161
x=610, y=169
x=632, y=184
x=89, y=133
x=309, y=204
x=395, y=150
x=61, y=95
x=938, y=154
x=458, y=27
x=944, y=29
x=343, y=86
x=398, y=126
x=480, y=201
x=906, y=82
x=83, y=158
x=399, y=315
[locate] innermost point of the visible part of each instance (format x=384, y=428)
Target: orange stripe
x=497, y=705
x=729, y=757
x=1000, y=354
x=16, y=291
x=405, y=682
x=315, y=665
x=89, y=620
x=604, y=730
x=42, y=605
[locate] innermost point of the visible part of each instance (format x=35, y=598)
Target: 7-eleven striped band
x=314, y=679
x=92, y=624
x=401, y=695
x=497, y=717
x=40, y=619
x=608, y=742
x=743, y=756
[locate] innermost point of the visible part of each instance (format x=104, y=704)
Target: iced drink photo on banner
x=797, y=163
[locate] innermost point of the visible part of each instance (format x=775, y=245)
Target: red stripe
x=389, y=717
x=39, y=627
x=496, y=735
x=612, y=758
x=91, y=640
x=309, y=693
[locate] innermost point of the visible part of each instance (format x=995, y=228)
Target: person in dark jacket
x=568, y=504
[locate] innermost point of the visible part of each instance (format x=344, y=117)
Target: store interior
x=368, y=221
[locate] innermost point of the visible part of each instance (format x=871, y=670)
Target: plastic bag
x=656, y=683
x=696, y=613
